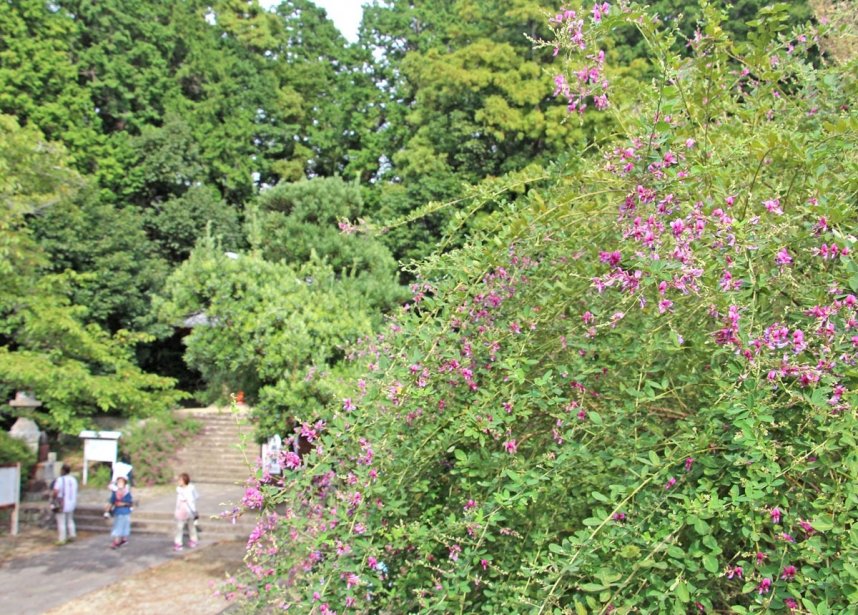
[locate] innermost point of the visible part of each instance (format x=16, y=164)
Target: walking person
x=120, y=507
x=186, y=512
x=64, y=495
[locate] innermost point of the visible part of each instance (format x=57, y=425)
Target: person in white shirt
x=186, y=511
x=65, y=488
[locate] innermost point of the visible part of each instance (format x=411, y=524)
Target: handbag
x=56, y=504
x=56, y=501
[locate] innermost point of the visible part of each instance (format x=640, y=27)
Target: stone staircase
x=218, y=467
x=147, y=520
x=215, y=455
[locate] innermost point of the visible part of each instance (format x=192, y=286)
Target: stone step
x=196, y=466
x=224, y=424
x=210, y=456
x=153, y=522
x=202, y=475
x=209, y=461
x=221, y=451
x=232, y=443
x=218, y=530
x=213, y=464
x=220, y=480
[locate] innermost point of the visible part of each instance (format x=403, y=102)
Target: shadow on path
x=37, y=583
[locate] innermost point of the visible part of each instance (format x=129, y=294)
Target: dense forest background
x=176, y=172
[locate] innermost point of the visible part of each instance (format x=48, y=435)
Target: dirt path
x=85, y=577
x=185, y=585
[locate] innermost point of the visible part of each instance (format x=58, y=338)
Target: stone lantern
x=25, y=428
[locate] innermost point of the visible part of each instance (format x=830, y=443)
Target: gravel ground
x=184, y=585
x=30, y=541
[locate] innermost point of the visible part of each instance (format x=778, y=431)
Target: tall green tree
x=298, y=222
x=47, y=342
x=268, y=329
x=39, y=80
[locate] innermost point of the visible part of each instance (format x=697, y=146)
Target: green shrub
x=13, y=450
x=152, y=445
x=635, y=390
x=99, y=475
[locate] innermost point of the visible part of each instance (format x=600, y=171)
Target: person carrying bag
x=186, y=512
x=63, y=503
x=120, y=506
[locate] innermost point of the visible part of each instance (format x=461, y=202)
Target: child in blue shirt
x=120, y=504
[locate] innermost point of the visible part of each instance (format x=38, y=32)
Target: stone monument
x=25, y=428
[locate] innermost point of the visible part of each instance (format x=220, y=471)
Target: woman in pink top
x=186, y=511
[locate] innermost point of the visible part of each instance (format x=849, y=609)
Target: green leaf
x=682, y=592
x=674, y=551
x=822, y=525
x=592, y=587
x=710, y=563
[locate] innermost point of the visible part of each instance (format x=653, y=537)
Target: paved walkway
x=35, y=584
x=213, y=498
x=41, y=582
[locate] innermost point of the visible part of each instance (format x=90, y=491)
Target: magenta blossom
x=760, y=557
x=787, y=537
x=600, y=9
x=291, y=460
x=783, y=258
x=454, y=552
x=689, y=462
x=484, y=563
x=791, y=604
x=252, y=498
x=511, y=447
x=774, y=206
x=735, y=572
x=807, y=527
x=618, y=516
x=348, y=405
x=788, y=573
x=765, y=586
x=670, y=483
x=775, y=514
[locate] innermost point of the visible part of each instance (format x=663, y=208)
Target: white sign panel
x=271, y=454
x=100, y=450
x=10, y=485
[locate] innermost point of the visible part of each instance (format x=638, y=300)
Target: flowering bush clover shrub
x=635, y=391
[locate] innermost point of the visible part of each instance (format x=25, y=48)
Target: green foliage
x=151, y=445
x=47, y=344
x=298, y=222
x=177, y=224
x=116, y=265
x=266, y=328
x=99, y=475
x=13, y=450
x=631, y=381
